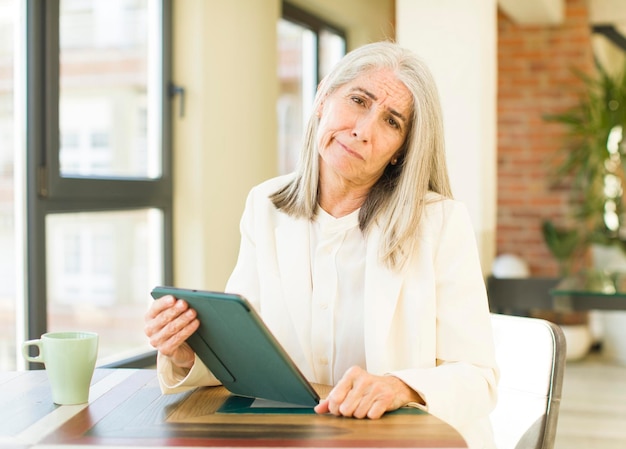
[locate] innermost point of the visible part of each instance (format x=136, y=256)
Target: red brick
x=535, y=78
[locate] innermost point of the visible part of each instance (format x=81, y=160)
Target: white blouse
x=337, y=279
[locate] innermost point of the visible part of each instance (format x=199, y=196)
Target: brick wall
x=535, y=78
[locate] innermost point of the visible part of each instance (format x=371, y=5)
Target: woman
x=361, y=263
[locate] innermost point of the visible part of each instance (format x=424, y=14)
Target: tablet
x=238, y=348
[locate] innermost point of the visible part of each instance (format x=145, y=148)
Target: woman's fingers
x=360, y=394
x=176, y=332
x=168, y=323
x=159, y=305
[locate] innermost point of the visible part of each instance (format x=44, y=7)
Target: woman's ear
x=321, y=100
x=319, y=110
x=396, y=157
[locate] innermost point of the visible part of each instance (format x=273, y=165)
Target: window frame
x=313, y=23
x=47, y=192
x=311, y=51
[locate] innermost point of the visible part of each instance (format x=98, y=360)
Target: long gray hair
x=396, y=202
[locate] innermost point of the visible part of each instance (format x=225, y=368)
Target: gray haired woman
x=361, y=263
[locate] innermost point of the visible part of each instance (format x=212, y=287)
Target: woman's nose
x=363, y=126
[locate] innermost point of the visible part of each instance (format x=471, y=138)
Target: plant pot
x=614, y=336
x=611, y=325
x=579, y=339
x=575, y=326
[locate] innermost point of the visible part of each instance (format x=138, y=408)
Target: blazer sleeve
x=244, y=279
x=462, y=387
x=173, y=379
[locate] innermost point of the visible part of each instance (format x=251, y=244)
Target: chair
x=530, y=354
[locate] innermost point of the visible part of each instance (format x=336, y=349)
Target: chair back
x=530, y=354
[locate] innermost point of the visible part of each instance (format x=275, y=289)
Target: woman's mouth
x=350, y=151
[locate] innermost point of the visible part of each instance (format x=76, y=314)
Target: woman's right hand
x=168, y=323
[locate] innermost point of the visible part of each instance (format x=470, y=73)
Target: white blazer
x=429, y=325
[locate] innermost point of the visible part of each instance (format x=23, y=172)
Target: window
x=308, y=49
x=9, y=18
x=97, y=184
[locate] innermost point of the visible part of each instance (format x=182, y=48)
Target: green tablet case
x=234, y=343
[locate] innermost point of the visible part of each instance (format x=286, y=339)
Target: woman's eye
x=393, y=123
x=357, y=100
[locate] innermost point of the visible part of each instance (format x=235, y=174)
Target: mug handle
x=26, y=345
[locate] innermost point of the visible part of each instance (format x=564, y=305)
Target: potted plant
x=593, y=168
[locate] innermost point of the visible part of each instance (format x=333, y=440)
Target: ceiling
x=534, y=12
x=551, y=12
x=607, y=18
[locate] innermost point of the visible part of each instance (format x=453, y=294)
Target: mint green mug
x=70, y=359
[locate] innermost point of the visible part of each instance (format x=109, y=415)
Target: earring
x=394, y=161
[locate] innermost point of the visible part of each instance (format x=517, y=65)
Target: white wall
x=365, y=21
x=458, y=41
x=224, y=54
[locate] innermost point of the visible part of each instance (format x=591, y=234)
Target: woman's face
x=362, y=126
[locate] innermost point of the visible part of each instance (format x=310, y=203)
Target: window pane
x=332, y=49
x=8, y=296
x=101, y=267
x=297, y=72
x=106, y=54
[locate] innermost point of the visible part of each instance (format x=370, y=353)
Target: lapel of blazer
x=382, y=291
x=294, y=264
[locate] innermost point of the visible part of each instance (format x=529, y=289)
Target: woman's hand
x=360, y=394
x=168, y=323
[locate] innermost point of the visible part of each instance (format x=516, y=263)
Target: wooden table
x=126, y=408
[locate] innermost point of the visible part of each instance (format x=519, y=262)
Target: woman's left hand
x=360, y=394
